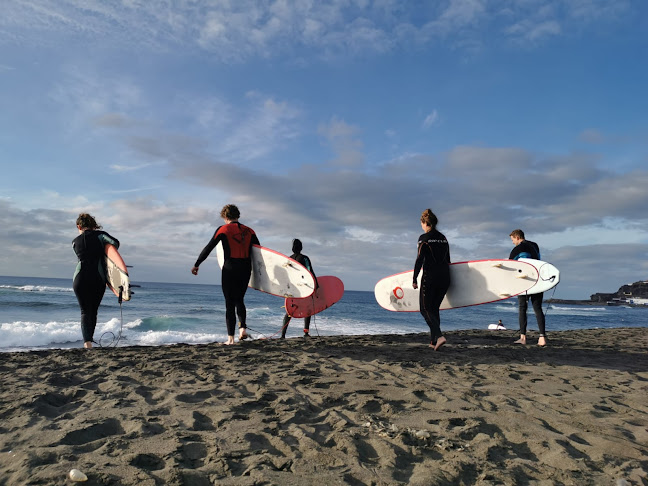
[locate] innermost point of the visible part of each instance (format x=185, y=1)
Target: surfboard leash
x=115, y=339
x=548, y=304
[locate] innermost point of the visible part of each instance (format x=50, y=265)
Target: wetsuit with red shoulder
x=237, y=240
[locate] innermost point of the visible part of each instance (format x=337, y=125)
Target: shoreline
x=371, y=409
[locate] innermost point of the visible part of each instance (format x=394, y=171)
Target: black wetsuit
x=90, y=276
x=304, y=260
x=237, y=240
x=434, y=258
x=529, y=249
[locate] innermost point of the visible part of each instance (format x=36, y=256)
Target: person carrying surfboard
x=434, y=258
x=304, y=260
x=528, y=249
x=89, y=281
x=237, y=240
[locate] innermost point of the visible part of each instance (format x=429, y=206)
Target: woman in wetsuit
x=237, y=240
x=434, y=258
x=90, y=274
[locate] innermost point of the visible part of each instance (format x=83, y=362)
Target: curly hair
x=230, y=212
x=87, y=222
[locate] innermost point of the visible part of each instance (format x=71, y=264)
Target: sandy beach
x=361, y=410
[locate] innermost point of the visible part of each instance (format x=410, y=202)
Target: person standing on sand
x=434, y=258
x=89, y=281
x=528, y=249
x=304, y=260
x=237, y=240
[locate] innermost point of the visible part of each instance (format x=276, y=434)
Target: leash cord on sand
x=115, y=339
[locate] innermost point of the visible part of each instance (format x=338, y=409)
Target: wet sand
x=337, y=410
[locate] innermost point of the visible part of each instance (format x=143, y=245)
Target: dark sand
x=335, y=410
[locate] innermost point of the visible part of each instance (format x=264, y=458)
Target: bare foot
x=522, y=340
x=230, y=341
x=87, y=345
x=243, y=335
x=542, y=341
x=441, y=341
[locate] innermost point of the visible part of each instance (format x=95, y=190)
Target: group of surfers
x=433, y=259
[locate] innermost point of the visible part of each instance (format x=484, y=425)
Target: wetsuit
x=529, y=249
x=90, y=276
x=434, y=258
x=237, y=240
x=304, y=260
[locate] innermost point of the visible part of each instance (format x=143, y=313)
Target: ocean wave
x=36, y=288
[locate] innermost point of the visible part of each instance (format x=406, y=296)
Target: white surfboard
x=275, y=273
x=117, y=274
x=471, y=283
x=549, y=276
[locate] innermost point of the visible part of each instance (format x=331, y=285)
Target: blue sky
x=335, y=122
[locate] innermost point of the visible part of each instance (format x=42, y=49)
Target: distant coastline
x=593, y=303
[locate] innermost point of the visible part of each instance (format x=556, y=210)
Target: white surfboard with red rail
x=275, y=273
x=471, y=283
x=549, y=276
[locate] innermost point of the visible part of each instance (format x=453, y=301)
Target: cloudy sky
x=335, y=122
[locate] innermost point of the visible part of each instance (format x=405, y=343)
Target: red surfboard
x=330, y=290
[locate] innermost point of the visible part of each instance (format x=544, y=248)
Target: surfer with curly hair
x=304, y=260
x=90, y=273
x=434, y=258
x=237, y=240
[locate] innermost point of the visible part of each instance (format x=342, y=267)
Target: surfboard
x=549, y=276
x=275, y=273
x=329, y=291
x=117, y=274
x=471, y=283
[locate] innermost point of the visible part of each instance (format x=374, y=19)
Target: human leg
x=522, y=317
x=430, y=300
x=89, y=290
x=536, y=302
x=284, y=328
x=228, y=286
x=307, y=321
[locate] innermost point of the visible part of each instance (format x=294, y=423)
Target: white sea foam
x=37, y=288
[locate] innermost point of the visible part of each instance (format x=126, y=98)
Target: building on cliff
x=633, y=294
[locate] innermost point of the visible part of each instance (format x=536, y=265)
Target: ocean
x=43, y=313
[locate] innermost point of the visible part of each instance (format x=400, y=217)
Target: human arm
x=206, y=251
x=309, y=267
x=420, y=258
x=106, y=239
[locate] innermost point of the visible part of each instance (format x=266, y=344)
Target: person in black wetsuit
x=90, y=273
x=304, y=260
x=434, y=258
x=237, y=240
x=528, y=249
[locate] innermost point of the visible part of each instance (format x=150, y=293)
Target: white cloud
x=343, y=139
x=236, y=31
x=431, y=119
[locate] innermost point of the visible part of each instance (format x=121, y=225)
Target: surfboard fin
x=505, y=294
